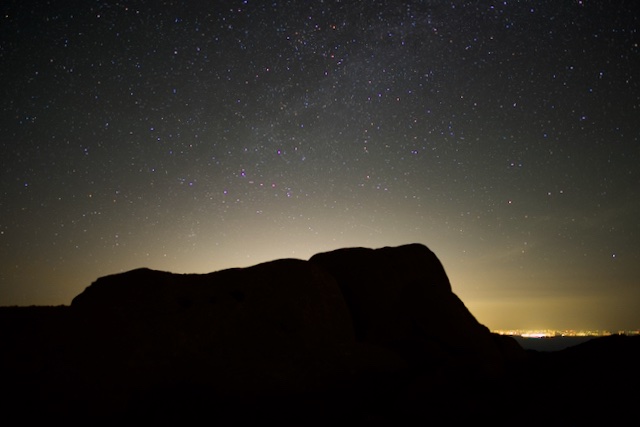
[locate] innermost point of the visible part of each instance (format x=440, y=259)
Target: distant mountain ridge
x=354, y=334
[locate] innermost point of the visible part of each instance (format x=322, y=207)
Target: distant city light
x=548, y=333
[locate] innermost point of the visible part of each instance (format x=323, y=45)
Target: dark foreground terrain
x=355, y=336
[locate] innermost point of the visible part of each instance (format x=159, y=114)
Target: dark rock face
x=401, y=298
x=290, y=302
x=357, y=335
x=281, y=325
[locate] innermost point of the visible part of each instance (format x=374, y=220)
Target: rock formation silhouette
x=358, y=335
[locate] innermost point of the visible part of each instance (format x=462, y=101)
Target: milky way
x=198, y=136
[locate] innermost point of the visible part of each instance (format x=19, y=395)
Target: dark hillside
x=357, y=335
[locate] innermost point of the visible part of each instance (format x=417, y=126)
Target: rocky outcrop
x=400, y=298
x=277, y=327
x=357, y=332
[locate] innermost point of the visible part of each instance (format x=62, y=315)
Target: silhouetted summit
x=358, y=335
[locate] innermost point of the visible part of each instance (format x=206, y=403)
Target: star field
x=197, y=136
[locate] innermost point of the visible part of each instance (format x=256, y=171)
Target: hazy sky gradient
x=197, y=136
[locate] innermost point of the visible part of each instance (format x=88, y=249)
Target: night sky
x=196, y=136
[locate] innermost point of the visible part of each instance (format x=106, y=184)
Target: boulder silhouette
x=352, y=333
x=401, y=298
x=250, y=330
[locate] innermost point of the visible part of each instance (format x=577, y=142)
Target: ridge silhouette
x=358, y=335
